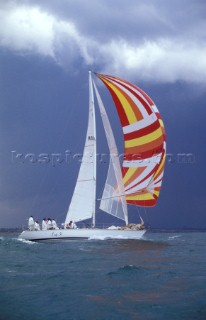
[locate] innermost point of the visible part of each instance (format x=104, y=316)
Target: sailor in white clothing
x=54, y=225
x=44, y=224
x=49, y=224
x=71, y=225
x=36, y=226
x=31, y=223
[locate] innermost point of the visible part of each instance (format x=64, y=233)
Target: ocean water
x=162, y=276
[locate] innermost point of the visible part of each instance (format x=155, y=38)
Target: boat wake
x=119, y=237
x=25, y=241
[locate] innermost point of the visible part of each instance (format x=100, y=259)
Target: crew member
x=54, y=225
x=36, y=225
x=44, y=224
x=31, y=223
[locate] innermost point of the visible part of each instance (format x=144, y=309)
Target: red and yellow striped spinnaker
x=144, y=141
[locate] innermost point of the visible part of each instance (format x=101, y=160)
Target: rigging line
x=121, y=195
x=100, y=193
x=93, y=179
x=118, y=196
x=138, y=209
x=146, y=214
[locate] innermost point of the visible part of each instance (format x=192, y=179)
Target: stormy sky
x=46, y=50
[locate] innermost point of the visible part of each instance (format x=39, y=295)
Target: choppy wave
x=127, y=269
x=11, y=241
x=155, y=278
x=174, y=237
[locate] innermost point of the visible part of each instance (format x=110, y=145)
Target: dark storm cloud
x=164, y=41
x=134, y=19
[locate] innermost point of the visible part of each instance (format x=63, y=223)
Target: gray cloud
x=163, y=41
x=133, y=20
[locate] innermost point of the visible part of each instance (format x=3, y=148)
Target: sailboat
x=137, y=181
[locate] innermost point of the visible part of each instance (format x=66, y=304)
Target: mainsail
x=83, y=201
x=144, y=141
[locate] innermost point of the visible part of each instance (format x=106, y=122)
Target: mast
x=83, y=201
x=92, y=110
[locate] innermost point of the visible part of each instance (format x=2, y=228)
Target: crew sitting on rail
x=54, y=225
x=36, y=225
x=44, y=224
x=49, y=224
x=71, y=225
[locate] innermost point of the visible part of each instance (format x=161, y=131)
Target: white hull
x=72, y=234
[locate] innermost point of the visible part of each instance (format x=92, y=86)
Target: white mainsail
x=83, y=201
x=113, y=198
